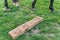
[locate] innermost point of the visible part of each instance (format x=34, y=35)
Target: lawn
x=49, y=29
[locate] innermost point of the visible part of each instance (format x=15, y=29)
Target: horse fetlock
x=14, y=4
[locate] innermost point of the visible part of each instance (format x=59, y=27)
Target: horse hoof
x=6, y=8
x=33, y=9
x=53, y=11
x=17, y=4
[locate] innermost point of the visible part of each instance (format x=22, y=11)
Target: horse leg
x=6, y=4
x=51, y=5
x=33, y=4
x=15, y=2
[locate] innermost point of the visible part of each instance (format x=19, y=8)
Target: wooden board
x=25, y=27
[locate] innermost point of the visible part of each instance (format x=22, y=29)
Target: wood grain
x=25, y=27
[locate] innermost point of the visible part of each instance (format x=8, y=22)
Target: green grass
x=49, y=29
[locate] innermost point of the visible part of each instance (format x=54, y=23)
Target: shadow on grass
x=12, y=10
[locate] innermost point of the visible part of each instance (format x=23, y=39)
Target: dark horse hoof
x=32, y=9
x=52, y=10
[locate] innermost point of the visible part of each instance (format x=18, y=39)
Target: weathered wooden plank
x=25, y=27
